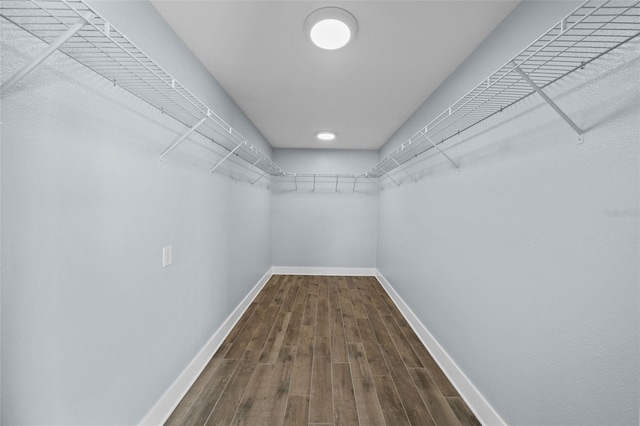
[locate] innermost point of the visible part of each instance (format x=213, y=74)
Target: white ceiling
x=290, y=89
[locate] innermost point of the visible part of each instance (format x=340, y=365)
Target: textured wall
x=94, y=330
x=324, y=228
x=524, y=266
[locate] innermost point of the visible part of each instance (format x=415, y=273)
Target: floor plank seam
x=221, y=393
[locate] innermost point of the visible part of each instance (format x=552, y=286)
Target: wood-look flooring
x=315, y=350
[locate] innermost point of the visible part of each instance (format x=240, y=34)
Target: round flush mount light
x=326, y=135
x=330, y=28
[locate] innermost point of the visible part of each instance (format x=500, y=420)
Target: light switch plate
x=166, y=256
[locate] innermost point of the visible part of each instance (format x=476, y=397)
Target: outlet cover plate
x=166, y=256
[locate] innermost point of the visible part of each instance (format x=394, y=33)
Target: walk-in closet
x=265, y=212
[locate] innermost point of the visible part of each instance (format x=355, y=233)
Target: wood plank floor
x=316, y=350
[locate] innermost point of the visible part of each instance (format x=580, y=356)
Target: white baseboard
x=474, y=399
x=172, y=397
x=303, y=270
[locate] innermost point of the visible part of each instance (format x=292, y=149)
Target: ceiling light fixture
x=326, y=135
x=330, y=28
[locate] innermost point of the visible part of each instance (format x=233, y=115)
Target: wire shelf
x=318, y=181
x=590, y=31
x=103, y=49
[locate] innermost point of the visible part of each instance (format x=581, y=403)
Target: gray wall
x=94, y=330
x=524, y=266
x=324, y=228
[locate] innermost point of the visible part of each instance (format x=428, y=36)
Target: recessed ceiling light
x=330, y=28
x=326, y=135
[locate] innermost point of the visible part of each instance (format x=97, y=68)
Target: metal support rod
x=443, y=153
x=355, y=179
x=247, y=170
x=182, y=138
x=403, y=169
x=314, y=182
x=213, y=169
x=295, y=180
x=255, y=181
x=389, y=176
x=548, y=100
x=46, y=53
x=337, y=178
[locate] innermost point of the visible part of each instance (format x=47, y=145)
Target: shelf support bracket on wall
x=249, y=168
x=213, y=169
x=260, y=177
x=337, y=178
x=389, y=176
x=314, y=182
x=552, y=104
x=442, y=152
x=182, y=138
x=404, y=170
x=295, y=180
x=355, y=179
x=47, y=52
